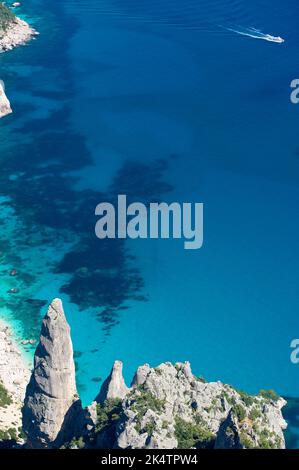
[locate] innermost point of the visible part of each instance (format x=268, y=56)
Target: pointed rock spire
x=114, y=386
x=141, y=375
x=51, y=396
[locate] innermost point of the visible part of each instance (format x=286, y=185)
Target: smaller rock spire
x=141, y=375
x=114, y=386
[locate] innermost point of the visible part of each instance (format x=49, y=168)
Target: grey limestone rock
x=167, y=407
x=114, y=386
x=5, y=107
x=51, y=399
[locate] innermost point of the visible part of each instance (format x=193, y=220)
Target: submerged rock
x=13, y=272
x=51, y=401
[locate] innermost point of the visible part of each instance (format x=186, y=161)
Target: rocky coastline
x=14, y=32
x=17, y=33
x=14, y=376
x=165, y=407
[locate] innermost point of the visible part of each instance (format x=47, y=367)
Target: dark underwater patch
x=35, y=175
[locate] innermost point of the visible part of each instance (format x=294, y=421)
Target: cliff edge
x=166, y=407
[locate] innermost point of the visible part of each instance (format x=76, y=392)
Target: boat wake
x=254, y=33
x=198, y=15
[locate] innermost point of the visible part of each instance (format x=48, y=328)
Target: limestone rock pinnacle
x=51, y=396
x=114, y=386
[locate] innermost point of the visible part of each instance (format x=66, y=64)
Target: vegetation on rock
x=144, y=401
x=5, y=398
x=190, y=434
x=6, y=17
x=8, y=434
x=270, y=395
x=107, y=414
x=239, y=411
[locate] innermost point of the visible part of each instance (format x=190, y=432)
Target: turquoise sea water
x=159, y=102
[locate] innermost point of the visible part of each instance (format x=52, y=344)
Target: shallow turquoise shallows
x=161, y=102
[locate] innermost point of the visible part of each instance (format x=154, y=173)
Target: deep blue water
x=158, y=101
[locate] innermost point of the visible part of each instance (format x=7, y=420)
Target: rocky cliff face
x=51, y=400
x=14, y=376
x=166, y=407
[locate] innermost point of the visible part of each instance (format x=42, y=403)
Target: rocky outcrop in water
x=166, y=407
x=17, y=33
x=51, y=401
x=5, y=108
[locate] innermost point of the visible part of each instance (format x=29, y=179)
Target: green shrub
x=189, y=435
x=266, y=443
x=269, y=395
x=149, y=428
x=6, y=17
x=80, y=443
x=268, y=439
x=21, y=433
x=239, y=412
x=246, y=441
x=5, y=398
x=255, y=413
x=146, y=401
x=229, y=398
x=108, y=413
x=75, y=443
x=247, y=399
x=8, y=435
